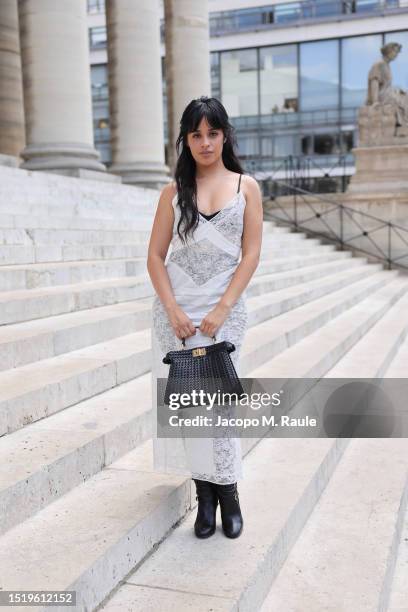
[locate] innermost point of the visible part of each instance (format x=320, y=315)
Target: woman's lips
x=206, y=153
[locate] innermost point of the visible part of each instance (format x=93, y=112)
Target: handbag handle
x=183, y=340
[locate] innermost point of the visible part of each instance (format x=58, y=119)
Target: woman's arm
x=160, y=238
x=251, y=244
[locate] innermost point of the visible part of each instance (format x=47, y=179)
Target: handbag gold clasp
x=197, y=352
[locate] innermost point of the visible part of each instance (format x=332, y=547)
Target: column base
x=61, y=157
x=154, y=175
x=9, y=160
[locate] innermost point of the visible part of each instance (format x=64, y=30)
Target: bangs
x=211, y=114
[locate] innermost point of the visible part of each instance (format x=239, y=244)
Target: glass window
x=357, y=56
x=284, y=145
x=279, y=79
x=239, y=82
x=96, y=6
x=248, y=144
x=288, y=12
x=99, y=81
x=215, y=74
x=324, y=143
x=366, y=6
x=319, y=75
x=97, y=37
x=399, y=66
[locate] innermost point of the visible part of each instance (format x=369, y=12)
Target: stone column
x=57, y=89
x=12, y=138
x=188, y=73
x=135, y=92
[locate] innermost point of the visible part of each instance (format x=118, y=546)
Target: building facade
x=290, y=74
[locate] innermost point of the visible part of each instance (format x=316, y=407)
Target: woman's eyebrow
x=199, y=131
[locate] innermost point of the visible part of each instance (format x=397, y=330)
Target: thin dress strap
x=239, y=183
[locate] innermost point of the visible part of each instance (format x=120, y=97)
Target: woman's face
x=206, y=143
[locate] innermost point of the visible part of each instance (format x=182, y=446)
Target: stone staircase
x=80, y=505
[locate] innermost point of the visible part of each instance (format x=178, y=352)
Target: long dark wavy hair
x=185, y=173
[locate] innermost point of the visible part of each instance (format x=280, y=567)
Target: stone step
x=31, y=392
x=143, y=221
x=398, y=367
x=68, y=237
x=48, y=435
x=63, y=237
x=244, y=586
x=320, y=561
x=305, y=320
x=30, y=276
x=397, y=597
x=51, y=457
x=341, y=558
x=322, y=348
x=28, y=222
x=27, y=304
x=35, y=275
x=52, y=451
x=375, y=353
x=37, y=193
x=223, y=574
x=19, y=254
x=23, y=343
x=92, y=537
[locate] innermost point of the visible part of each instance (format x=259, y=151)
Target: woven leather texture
x=211, y=372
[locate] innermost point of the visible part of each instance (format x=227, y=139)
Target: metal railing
x=338, y=223
x=316, y=176
x=289, y=13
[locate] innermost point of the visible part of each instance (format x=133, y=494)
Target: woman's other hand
x=214, y=319
x=182, y=324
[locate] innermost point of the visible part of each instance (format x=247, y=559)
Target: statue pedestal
x=382, y=155
x=382, y=169
x=377, y=126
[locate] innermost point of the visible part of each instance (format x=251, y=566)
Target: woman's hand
x=182, y=325
x=214, y=319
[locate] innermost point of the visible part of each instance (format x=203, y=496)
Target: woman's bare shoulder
x=250, y=185
x=169, y=190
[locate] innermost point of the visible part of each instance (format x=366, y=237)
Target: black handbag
x=208, y=368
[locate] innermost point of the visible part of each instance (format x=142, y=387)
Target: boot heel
x=231, y=517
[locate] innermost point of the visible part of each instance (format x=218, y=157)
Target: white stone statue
x=383, y=120
x=380, y=89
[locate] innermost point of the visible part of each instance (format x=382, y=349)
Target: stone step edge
x=76, y=319
x=260, y=567
x=49, y=422
x=328, y=503
x=21, y=294
x=399, y=287
x=120, y=554
x=96, y=363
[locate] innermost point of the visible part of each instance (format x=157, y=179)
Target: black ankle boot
x=204, y=525
x=232, y=521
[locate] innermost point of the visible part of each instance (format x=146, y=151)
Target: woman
x=209, y=215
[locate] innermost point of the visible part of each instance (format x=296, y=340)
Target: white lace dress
x=199, y=274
